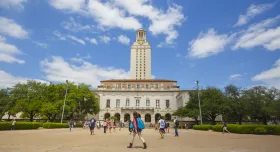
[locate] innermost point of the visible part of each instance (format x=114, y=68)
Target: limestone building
x=151, y=98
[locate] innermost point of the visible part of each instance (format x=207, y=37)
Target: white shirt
x=161, y=123
x=14, y=122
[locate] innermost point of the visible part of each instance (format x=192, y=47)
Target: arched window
x=147, y=118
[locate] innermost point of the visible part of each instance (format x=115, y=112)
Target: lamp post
x=64, y=101
x=200, y=115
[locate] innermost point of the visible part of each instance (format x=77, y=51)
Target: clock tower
x=140, y=59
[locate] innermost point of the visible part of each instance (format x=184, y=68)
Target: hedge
x=50, y=125
x=20, y=125
x=242, y=129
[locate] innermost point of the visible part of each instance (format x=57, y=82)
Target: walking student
x=167, y=126
x=105, y=126
x=161, y=127
x=137, y=126
x=13, y=124
x=129, y=124
x=91, y=126
x=176, y=125
x=70, y=123
x=225, y=128
x=114, y=127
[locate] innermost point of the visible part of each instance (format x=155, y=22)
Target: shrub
x=243, y=129
x=50, y=125
x=20, y=125
x=202, y=127
x=260, y=130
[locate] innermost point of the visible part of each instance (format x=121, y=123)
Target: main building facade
x=151, y=98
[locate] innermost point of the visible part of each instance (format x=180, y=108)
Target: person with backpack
x=161, y=127
x=137, y=126
x=91, y=126
x=176, y=125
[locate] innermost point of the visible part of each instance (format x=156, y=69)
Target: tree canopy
x=234, y=104
x=36, y=99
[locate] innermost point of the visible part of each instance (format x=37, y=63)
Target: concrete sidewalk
x=61, y=140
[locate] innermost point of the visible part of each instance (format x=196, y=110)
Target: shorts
x=138, y=130
x=161, y=129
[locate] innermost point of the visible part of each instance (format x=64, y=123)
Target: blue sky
x=216, y=42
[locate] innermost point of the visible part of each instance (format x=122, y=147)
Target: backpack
x=140, y=123
x=177, y=123
x=130, y=125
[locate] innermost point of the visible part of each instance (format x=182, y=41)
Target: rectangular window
x=157, y=104
x=147, y=86
x=147, y=102
x=138, y=86
x=117, y=103
x=108, y=103
x=137, y=103
x=127, y=103
x=156, y=86
x=119, y=86
x=129, y=86
x=167, y=104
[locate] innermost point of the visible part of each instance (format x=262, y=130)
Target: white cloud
x=69, y=5
x=122, y=14
x=207, y=44
x=58, y=70
x=91, y=40
x=270, y=77
x=41, y=44
x=161, y=22
x=17, y=4
x=263, y=34
x=59, y=35
x=105, y=39
x=11, y=28
x=123, y=39
x=160, y=45
x=67, y=37
x=76, y=39
x=252, y=11
x=75, y=26
x=110, y=16
x=235, y=77
x=8, y=52
x=8, y=80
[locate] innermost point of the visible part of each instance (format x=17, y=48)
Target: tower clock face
x=141, y=42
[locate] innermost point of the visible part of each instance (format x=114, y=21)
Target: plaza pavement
x=79, y=140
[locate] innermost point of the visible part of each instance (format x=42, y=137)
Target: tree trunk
x=31, y=115
x=9, y=115
x=213, y=120
x=53, y=118
x=196, y=120
x=240, y=119
x=264, y=120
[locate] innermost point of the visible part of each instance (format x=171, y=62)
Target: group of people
x=136, y=125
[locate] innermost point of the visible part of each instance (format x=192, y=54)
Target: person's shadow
x=138, y=147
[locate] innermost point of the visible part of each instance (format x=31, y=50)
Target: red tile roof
x=137, y=80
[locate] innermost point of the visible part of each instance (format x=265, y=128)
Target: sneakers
x=145, y=145
x=130, y=145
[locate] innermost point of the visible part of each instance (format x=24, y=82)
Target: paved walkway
x=79, y=140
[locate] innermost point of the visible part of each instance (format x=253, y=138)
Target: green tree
x=262, y=102
x=28, y=97
x=4, y=101
x=192, y=108
x=235, y=106
x=212, y=103
x=53, y=101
